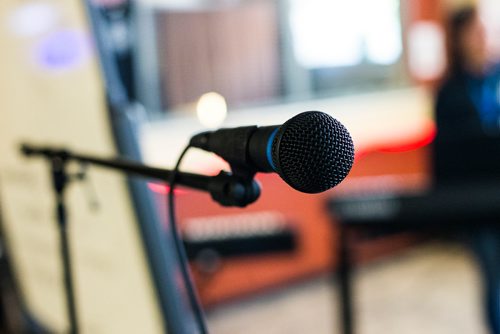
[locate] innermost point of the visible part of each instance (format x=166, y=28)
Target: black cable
x=181, y=252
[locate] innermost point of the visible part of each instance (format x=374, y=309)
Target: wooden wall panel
x=233, y=51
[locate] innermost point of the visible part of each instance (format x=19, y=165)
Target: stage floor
x=430, y=289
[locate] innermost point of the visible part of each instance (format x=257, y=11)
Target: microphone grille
x=313, y=152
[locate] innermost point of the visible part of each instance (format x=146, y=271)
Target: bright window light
x=336, y=33
x=382, y=31
x=320, y=39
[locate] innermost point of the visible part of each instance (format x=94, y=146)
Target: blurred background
x=74, y=72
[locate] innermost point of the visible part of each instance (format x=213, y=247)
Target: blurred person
x=468, y=106
x=467, y=145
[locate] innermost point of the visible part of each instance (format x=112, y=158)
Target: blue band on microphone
x=269, y=149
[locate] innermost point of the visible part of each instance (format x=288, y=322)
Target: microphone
x=312, y=151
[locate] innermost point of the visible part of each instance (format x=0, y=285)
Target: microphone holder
x=237, y=189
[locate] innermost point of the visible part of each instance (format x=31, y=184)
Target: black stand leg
x=344, y=280
x=228, y=189
x=60, y=180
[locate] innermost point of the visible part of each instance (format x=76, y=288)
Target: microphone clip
x=236, y=189
x=231, y=190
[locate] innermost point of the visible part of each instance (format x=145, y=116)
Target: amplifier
x=239, y=234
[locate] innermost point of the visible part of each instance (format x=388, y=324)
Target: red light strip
x=397, y=146
x=164, y=189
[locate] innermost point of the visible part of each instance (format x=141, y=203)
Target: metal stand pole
x=344, y=281
x=60, y=180
x=225, y=188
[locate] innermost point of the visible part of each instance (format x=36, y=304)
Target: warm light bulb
x=211, y=109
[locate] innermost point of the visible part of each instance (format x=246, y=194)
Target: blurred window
x=345, y=33
x=263, y=51
x=347, y=45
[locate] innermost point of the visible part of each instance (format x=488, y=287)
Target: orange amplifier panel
x=299, y=221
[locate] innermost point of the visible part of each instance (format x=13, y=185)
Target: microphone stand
x=239, y=189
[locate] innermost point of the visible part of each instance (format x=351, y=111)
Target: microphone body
x=247, y=147
x=312, y=151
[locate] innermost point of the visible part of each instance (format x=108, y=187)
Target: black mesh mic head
x=312, y=152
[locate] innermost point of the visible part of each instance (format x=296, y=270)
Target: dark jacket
x=462, y=149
